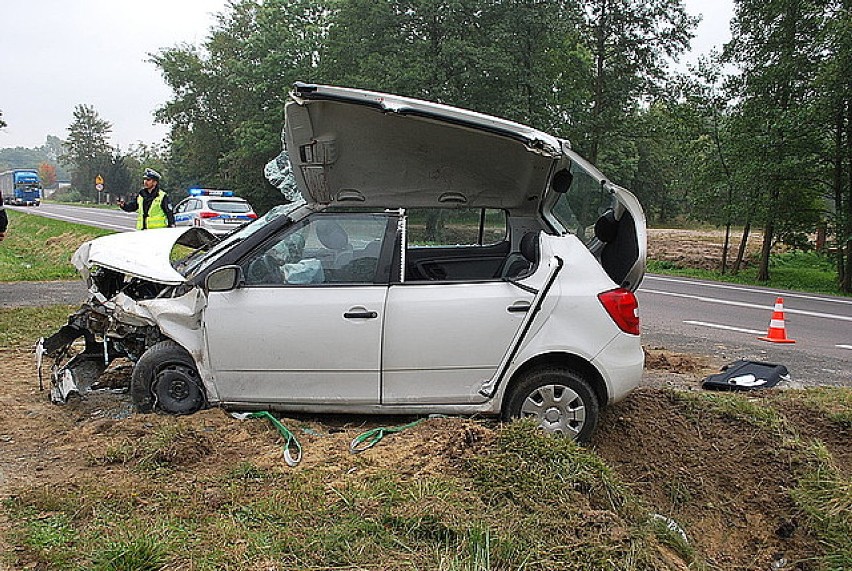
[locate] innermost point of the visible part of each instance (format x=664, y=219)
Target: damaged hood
x=144, y=255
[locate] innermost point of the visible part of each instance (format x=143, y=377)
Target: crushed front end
x=125, y=312
x=101, y=331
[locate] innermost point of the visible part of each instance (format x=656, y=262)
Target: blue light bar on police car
x=210, y=192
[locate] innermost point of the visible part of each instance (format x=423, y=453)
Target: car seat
x=620, y=249
x=333, y=237
x=523, y=261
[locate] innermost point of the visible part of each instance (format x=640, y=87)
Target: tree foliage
x=785, y=82
x=21, y=157
x=630, y=42
x=87, y=149
x=47, y=174
x=532, y=61
x=757, y=136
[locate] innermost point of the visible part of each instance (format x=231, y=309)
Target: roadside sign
x=99, y=187
x=99, y=182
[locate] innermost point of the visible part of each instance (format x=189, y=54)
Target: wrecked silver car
x=433, y=260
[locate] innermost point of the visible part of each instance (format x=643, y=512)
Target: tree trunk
x=846, y=284
x=730, y=195
x=837, y=183
x=768, y=235
x=765, y=249
x=741, y=252
x=597, y=110
x=434, y=226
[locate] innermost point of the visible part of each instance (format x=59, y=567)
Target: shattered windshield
x=201, y=260
x=279, y=173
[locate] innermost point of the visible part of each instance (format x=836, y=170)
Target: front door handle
x=518, y=308
x=360, y=315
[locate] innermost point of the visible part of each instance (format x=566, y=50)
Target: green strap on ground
x=290, y=439
x=370, y=438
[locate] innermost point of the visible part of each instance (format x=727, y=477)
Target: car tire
x=559, y=399
x=165, y=378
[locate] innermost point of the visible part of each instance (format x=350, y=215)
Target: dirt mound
x=723, y=482
x=661, y=359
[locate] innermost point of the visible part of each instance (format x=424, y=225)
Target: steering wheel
x=264, y=270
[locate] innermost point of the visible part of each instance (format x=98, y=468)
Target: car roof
x=362, y=148
x=223, y=198
x=217, y=198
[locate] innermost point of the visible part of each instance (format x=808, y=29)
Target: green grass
x=20, y=327
x=824, y=496
x=832, y=404
x=501, y=510
x=735, y=406
x=39, y=249
x=135, y=553
x=798, y=271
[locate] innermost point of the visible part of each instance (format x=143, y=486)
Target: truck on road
x=21, y=187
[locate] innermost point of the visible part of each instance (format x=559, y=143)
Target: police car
x=218, y=211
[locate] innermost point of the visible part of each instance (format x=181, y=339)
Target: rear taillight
x=252, y=215
x=206, y=214
x=622, y=306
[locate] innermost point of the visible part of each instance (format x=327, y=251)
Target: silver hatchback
x=437, y=261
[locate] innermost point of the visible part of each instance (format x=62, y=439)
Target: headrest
x=332, y=235
x=529, y=246
x=606, y=227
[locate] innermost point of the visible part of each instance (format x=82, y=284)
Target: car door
x=306, y=326
x=444, y=337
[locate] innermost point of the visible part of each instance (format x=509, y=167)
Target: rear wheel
x=560, y=400
x=165, y=378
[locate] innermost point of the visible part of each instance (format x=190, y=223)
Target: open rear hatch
x=362, y=148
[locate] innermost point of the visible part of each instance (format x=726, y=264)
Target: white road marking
x=725, y=327
x=845, y=347
x=786, y=294
x=749, y=305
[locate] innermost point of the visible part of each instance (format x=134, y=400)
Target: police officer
x=153, y=204
x=4, y=220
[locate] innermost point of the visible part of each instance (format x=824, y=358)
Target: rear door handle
x=519, y=307
x=360, y=315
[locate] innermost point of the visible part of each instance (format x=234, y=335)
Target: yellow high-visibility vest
x=156, y=216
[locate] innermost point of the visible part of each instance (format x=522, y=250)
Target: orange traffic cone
x=777, y=333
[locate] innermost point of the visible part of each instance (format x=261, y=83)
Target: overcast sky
x=56, y=54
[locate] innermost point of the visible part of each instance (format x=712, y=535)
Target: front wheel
x=165, y=378
x=560, y=400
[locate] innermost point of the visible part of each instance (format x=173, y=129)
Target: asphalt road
x=725, y=320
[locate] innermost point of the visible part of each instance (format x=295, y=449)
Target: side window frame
x=480, y=231
x=385, y=254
